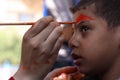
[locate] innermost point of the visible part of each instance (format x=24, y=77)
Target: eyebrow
x=83, y=17
x=82, y=22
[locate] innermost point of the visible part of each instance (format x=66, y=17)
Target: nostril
x=72, y=46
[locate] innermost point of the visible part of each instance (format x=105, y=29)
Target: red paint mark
x=26, y=68
x=36, y=63
x=47, y=62
x=11, y=78
x=82, y=17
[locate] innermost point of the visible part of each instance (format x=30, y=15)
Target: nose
x=73, y=42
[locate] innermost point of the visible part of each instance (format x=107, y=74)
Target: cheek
x=99, y=52
x=99, y=43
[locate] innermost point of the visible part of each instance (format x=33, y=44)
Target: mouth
x=78, y=62
x=77, y=59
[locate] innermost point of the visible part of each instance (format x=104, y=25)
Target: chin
x=86, y=70
x=82, y=69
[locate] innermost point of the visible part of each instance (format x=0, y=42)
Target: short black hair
x=107, y=9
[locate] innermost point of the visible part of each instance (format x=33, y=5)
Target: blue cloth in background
x=75, y=2
x=45, y=9
x=59, y=9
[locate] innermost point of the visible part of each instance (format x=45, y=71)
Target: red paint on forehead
x=83, y=17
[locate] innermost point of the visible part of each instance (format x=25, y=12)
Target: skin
x=97, y=40
x=40, y=47
x=96, y=48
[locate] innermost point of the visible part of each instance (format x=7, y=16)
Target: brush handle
x=31, y=23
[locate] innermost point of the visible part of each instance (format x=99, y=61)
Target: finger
x=54, y=52
x=55, y=78
x=47, y=31
x=54, y=36
x=68, y=31
x=57, y=72
x=77, y=76
x=73, y=76
x=56, y=48
x=39, y=26
x=58, y=45
x=66, y=70
x=63, y=76
x=43, y=35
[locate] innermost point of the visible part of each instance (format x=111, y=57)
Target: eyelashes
x=82, y=27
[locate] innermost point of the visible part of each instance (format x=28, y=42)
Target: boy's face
x=95, y=46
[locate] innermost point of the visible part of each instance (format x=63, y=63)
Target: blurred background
x=29, y=11
x=11, y=36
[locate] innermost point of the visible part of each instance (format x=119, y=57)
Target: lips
x=78, y=62
x=77, y=59
x=75, y=56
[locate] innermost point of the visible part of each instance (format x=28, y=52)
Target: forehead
x=80, y=17
x=88, y=11
x=83, y=17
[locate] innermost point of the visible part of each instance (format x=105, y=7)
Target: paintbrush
x=31, y=23
x=81, y=17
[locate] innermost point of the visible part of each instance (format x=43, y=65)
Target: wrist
x=24, y=75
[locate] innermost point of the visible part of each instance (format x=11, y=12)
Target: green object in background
x=10, y=45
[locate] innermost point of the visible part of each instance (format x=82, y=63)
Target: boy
x=96, y=39
x=95, y=43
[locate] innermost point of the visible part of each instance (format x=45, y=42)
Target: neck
x=114, y=72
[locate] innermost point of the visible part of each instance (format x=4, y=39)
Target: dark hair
x=107, y=9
